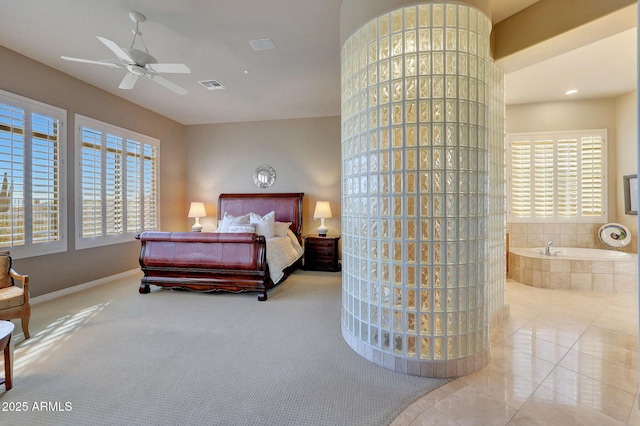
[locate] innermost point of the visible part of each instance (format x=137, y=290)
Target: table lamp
x=322, y=212
x=197, y=210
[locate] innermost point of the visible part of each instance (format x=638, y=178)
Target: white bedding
x=282, y=252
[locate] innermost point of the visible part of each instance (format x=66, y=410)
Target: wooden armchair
x=14, y=300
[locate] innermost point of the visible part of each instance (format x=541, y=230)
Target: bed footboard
x=205, y=262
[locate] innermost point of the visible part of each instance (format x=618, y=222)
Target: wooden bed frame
x=219, y=262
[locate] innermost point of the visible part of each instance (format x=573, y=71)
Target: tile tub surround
x=602, y=276
x=563, y=235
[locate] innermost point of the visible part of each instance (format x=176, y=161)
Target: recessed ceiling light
x=262, y=44
x=571, y=92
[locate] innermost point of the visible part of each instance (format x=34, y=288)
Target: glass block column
x=496, y=269
x=417, y=107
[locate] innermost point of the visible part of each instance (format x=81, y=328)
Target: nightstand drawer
x=323, y=250
x=322, y=241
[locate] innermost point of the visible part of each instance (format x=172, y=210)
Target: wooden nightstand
x=321, y=253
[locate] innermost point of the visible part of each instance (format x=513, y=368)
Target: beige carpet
x=110, y=356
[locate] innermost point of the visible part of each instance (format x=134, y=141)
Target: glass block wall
x=417, y=106
x=496, y=269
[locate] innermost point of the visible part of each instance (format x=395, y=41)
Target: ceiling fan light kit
x=137, y=17
x=138, y=63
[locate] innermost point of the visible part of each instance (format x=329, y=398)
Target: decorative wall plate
x=614, y=235
x=264, y=176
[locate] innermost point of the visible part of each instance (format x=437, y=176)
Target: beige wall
x=626, y=154
x=221, y=158
x=546, y=20
x=304, y=152
x=22, y=76
x=618, y=116
x=571, y=115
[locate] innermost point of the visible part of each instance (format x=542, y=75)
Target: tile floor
x=561, y=358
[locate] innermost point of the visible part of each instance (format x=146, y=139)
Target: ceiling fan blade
x=106, y=62
x=128, y=81
x=169, y=68
x=119, y=52
x=168, y=84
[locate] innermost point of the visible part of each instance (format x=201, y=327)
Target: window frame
x=126, y=135
x=555, y=137
x=30, y=107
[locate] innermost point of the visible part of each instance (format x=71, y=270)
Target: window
x=116, y=182
x=557, y=177
x=32, y=145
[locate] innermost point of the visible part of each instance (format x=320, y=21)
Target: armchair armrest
x=24, y=279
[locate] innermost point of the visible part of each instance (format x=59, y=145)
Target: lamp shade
x=197, y=210
x=323, y=210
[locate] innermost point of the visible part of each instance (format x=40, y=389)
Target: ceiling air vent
x=212, y=84
x=262, y=44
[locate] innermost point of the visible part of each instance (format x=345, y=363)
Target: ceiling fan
x=137, y=62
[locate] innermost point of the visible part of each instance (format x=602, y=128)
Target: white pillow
x=281, y=229
x=228, y=220
x=265, y=225
x=251, y=228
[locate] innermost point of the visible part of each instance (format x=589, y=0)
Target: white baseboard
x=80, y=287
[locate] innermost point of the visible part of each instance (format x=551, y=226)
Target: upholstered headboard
x=287, y=207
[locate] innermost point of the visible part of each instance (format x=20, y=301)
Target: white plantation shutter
x=567, y=167
x=150, y=186
x=118, y=181
x=134, y=179
x=12, y=165
x=557, y=177
x=91, y=190
x=32, y=214
x=45, y=179
x=543, y=178
x=114, y=185
x=591, y=164
x=521, y=178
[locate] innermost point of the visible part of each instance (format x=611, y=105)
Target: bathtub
x=574, y=253
x=569, y=268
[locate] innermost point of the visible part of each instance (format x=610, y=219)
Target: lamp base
x=197, y=227
x=322, y=229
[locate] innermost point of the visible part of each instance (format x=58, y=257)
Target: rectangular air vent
x=262, y=44
x=212, y=84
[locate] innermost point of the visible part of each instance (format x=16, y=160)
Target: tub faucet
x=547, y=251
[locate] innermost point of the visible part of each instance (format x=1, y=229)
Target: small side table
x=6, y=330
x=321, y=253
